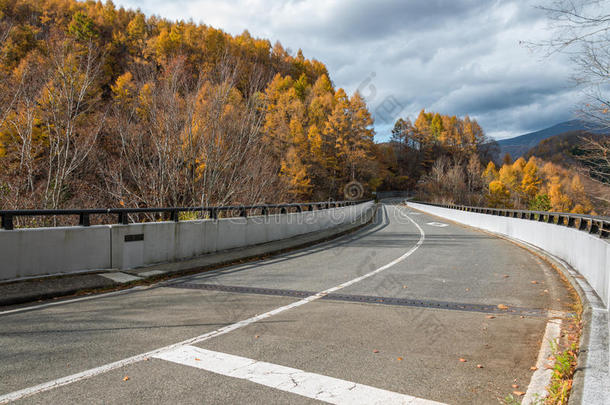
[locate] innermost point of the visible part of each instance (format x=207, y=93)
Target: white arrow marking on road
x=295, y=381
x=437, y=224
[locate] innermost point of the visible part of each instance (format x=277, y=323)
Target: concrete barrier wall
x=31, y=252
x=588, y=254
x=42, y=251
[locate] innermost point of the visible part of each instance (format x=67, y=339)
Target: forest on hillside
x=102, y=106
x=449, y=160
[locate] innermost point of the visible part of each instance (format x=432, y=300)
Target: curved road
x=384, y=314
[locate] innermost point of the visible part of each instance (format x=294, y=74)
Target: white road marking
x=120, y=277
x=542, y=376
x=26, y=392
x=437, y=224
x=310, y=385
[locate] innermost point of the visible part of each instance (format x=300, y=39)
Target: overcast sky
x=455, y=56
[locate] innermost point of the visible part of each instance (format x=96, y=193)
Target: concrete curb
x=170, y=270
x=591, y=378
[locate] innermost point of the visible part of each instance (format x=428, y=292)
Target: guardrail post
x=214, y=213
x=550, y=219
x=264, y=211
x=310, y=207
x=123, y=219
x=561, y=220
x=582, y=225
x=7, y=222
x=242, y=212
x=173, y=215
x=594, y=227
x=83, y=219
x=283, y=210
x=299, y=208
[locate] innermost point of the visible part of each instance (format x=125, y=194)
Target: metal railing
x=594, y=225
x=172, y=213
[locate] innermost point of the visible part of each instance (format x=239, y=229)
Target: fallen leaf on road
x=534, y=282
x=375, y=351
x=404, y=286
x=145, y=358
x=196, y=359
x=515, y=386
x=506, y=276
x=463, y=360
x=546, y=291
x=468, y=289
x=533, y=368
x=399, y=359
x=548, y=366
x=490, y=317
x=125, y=378
x=479, y=366
x=256, y=337
x=519, y=393
x=502, y=306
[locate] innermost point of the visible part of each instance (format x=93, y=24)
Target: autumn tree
x=530, y=183
x=71, y=113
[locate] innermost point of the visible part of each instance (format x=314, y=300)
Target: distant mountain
x=520, y=145
x=561, y=149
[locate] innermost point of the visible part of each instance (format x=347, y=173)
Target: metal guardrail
x=594, y=225
x=173, y=213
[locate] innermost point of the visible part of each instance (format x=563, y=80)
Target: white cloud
x=459, y=57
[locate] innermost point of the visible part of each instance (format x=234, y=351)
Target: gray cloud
x=455, y=57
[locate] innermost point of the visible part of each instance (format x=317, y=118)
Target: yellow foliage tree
x=499, y=195
x=491, y=173
x=530, y=183
x=294, y=172
x=560, y=202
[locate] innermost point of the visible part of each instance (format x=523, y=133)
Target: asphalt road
x=383, y=314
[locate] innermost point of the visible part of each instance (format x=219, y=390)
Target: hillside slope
x=104, y=106
x=563, y=150
x=519, y=145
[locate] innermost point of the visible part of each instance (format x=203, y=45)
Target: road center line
x=26, y=392
x=292, y=380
